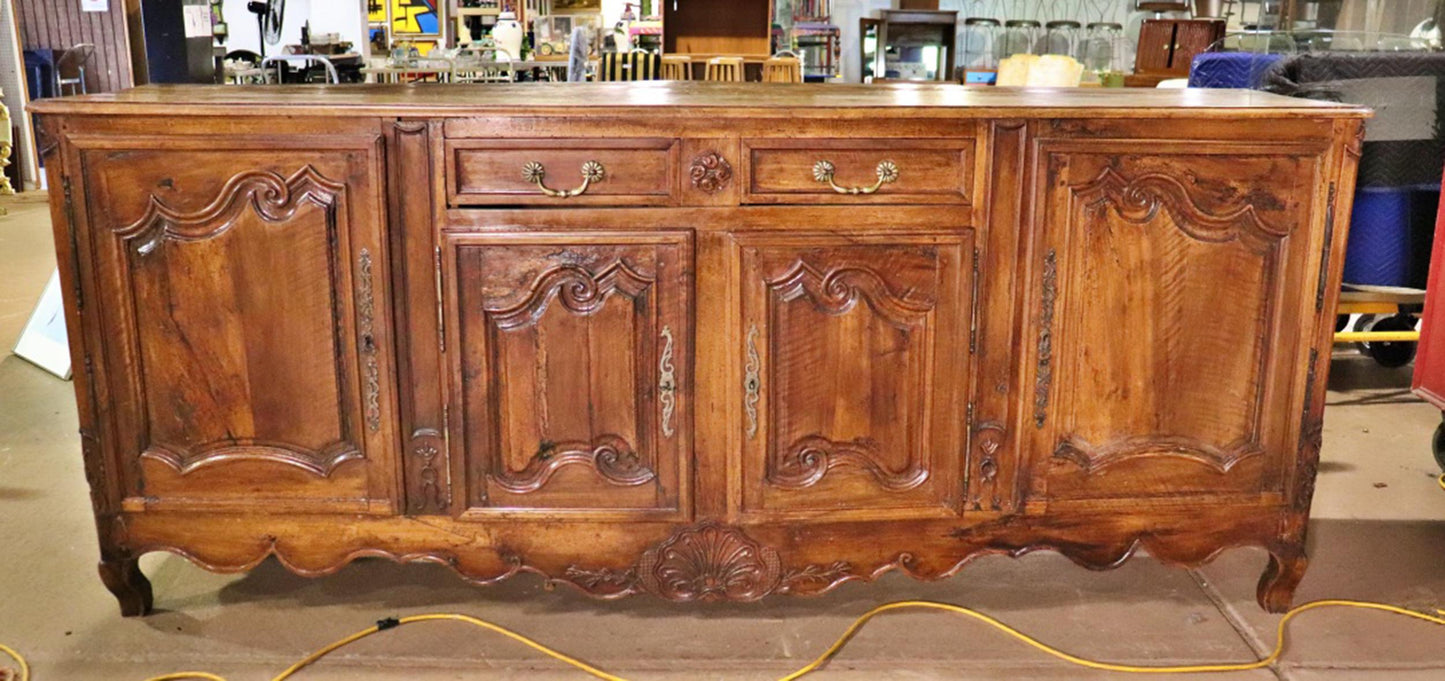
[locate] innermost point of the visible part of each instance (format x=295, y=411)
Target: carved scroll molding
x=275, y=199
x=1140, y=199
x=710, y=172
x=1044, y=372
x=1093, y=459
x=574, y=287
x=811, y=458
x=1310, y=439
x=1322, y=283
x=840, y=289
x=709, y=562
x=609, y=455
x=185, y=460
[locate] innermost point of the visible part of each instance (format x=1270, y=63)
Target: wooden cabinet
x=854, y=365
x=243, y=289
x=780, y=341
x=1148, y=263
x=1167, y=47
x=572, y=372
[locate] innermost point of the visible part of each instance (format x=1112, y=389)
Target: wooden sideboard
x=749, y=340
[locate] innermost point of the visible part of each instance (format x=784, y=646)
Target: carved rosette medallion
x=710, y=562
x=710, y=172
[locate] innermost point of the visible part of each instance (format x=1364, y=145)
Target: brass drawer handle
x=823, y=171
x=667, y=382
x=592, y=171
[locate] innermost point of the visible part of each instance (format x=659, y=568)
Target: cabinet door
x=1156, y=46
x=853, y=365
x=1172, y=292
x=575, y=357
x=243, y=288
x=1191, y=39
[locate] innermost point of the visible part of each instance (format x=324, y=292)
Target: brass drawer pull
x=823, y=171
x=592, y=171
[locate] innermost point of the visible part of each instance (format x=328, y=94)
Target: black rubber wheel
x=1342, y=321
x=1392, y=354
x=1437, y=445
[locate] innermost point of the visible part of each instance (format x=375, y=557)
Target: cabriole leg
x=129, y=585
x=1276, y=587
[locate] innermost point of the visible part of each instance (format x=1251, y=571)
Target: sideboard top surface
x=760, y=99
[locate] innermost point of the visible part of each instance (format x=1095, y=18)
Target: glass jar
x=1062, y=37
x=1020, y=36
x=980, y=56
x=1104, y=47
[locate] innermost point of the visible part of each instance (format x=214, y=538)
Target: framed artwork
x=415, y=17
x=576, y=6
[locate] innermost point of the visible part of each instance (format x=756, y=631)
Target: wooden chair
x=676, y=67
x=635, y=65
x=725, y=69
x=70, y=70
x=783, y=69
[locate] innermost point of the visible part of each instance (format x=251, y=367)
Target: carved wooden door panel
x=574, y=361
x=853, y=365
x=1164, y=329
x=244, y=291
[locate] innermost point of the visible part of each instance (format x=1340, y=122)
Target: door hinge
x=74, y=242
x=441, y=318
x=1325, y=251
x=973, y=315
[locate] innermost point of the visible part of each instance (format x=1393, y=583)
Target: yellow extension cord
x=832, y=650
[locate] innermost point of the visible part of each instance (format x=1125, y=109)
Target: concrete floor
x=1378, y=534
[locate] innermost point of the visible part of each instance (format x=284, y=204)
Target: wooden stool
x=783, y=70
x=726, y=69
x=676, y=67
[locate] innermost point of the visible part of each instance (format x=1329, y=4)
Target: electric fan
x=269, y=16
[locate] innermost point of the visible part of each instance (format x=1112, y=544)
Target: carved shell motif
x=710, y=562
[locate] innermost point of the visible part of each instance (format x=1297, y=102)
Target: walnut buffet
x=694, y=340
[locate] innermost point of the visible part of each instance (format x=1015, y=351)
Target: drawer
x=859, y=170
x=561, y=172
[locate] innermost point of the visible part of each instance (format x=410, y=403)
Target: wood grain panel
x=251, y=326
x=853, y=373
x=636, y=172
x=1152, y=266
x=928, y=171
x=575, y=356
